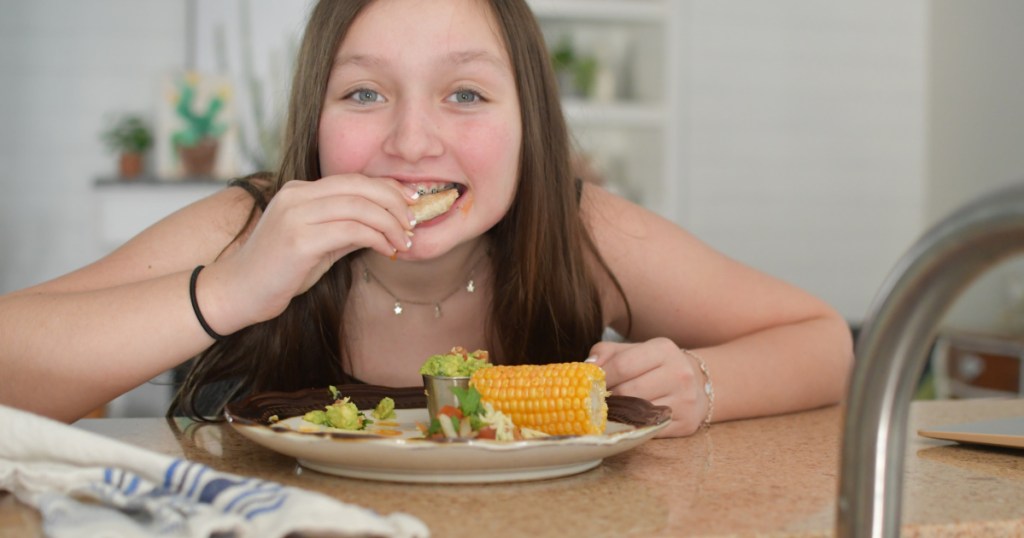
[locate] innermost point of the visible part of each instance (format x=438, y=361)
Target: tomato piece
x=451, y=411
x=486, y=433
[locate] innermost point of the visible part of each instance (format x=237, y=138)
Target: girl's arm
x=72, y=344
x=768, y=346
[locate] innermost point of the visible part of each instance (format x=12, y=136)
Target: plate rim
x=467, y=462
x=412, y=460
x=476, y=477
x=405, y=443
x=257, y=409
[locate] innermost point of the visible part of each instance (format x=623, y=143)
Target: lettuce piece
x=469, y=400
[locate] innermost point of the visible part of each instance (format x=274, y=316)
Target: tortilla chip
x=434, y=205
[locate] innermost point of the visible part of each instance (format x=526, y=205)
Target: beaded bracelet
x=195, y=305
x=709, y=389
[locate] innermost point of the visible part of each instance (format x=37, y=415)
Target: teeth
x=434, y=188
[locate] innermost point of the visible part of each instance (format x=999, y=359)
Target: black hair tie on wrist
x=195, y=305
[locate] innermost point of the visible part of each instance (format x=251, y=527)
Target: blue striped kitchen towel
x=84, y=484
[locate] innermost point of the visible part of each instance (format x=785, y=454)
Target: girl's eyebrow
x=478, y=55
x=455, y=58
x=365, y=60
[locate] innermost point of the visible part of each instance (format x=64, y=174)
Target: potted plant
x=197, y=140
x=576, y=73
x=130, y=137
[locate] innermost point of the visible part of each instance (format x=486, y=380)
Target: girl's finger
x=651, y=386
x=347, y=237
x=627, y=364
x=359, y=210
x=385, y=192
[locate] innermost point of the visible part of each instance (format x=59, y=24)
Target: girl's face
x=423, y=91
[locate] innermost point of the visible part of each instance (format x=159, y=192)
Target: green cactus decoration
x=197, y=126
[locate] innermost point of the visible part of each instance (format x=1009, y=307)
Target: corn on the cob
x=559, y=399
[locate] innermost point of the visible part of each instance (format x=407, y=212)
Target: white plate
x=407, y=457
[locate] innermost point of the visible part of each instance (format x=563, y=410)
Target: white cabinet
x=125, y=208
x=621, y=91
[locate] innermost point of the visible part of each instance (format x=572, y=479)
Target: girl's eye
x=364, y=96
x=465, y=96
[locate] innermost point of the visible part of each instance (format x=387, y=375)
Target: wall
x=976, y=110
x=64, y=67
x=976, y=125
x=806, y=141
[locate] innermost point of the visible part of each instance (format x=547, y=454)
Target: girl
x=320, y=274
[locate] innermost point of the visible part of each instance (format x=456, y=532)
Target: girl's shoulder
x=259, y=186
x=619, y=230
x=643, y=250
x=611, y=217
x=193, y=235
x=629, y=235
x=204, y=229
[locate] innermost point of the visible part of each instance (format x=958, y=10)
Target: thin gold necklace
x=399, y=307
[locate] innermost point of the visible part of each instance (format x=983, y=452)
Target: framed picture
x=253, y=44
x=196, y=131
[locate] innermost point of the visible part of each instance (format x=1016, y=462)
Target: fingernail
x=414, y=193
x=408, y=244
x=592, y=358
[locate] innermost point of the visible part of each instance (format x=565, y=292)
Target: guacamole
x=458, y=363
x=341, y=414
x=385, y=410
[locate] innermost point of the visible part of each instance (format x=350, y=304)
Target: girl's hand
x=307, y=227
x=657, y=371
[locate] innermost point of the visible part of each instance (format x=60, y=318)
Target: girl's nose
x=414, y=133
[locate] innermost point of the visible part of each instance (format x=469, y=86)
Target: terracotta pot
x=199, y=160
x=130, y=165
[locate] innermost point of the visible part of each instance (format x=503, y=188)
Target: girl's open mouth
x=435, y=200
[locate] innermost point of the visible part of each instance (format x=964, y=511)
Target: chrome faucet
x=893, y=347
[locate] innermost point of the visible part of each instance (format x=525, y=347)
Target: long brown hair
x=545, y=305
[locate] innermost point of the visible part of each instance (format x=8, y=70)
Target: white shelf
x=625, y=115
x=618, y=11
x=627, y=131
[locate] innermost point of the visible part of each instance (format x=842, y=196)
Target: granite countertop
x=771, y=476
